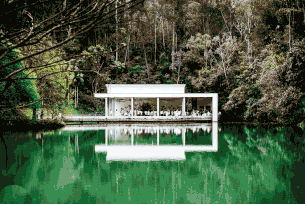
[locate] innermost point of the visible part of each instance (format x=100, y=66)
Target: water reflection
x=252, y=165
x=153, y=142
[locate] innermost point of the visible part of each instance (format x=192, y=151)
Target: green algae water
x=248, y=165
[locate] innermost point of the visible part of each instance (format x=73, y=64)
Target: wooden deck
x=82, y=119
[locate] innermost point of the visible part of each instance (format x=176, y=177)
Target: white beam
x=153, y=95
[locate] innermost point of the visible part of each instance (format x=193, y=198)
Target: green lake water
x=250, y=165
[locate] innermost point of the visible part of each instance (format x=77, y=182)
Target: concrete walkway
x=135, y=118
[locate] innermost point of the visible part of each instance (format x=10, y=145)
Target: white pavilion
x=122, y=100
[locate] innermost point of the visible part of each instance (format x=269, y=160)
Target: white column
x=183, y=136
x=215, y=136
x=132, y=106
x=106, y=107
x=158, y=108
x=158, y=136
x=113, y=107
x=132, y=136
x=106, y=136
x=212, y=110
x=183, y=106
x=109, y=106
x=215, y=108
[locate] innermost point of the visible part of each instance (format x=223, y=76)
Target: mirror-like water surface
x=194, y=163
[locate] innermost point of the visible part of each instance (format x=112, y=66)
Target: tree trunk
x=163, y=32
x=68, y=94
x=76, y=96
x=173, y=48
x=249, y=40
x=145, y=57
x=155, y=39
x=128, y=59
x=42, y=98
x=116, y=18
x=178, y=75
x=176, y=41
x=67, y=87
x=41, y=114
x=168, y=33
x=289, y=34
x=34, y=117
x=93, y=88
x=127, y=50
x=6, y=154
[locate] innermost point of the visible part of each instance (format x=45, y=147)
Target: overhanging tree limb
x=93, y=18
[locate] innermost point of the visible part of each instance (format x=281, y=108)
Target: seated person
x=167, y=113
x=194, y=113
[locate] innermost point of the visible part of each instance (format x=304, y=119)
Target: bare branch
x=82, y=30
x=19, y=107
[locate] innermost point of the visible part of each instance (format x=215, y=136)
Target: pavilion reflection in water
x=122, y=142
x=126, y=148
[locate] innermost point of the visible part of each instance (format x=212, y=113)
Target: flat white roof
x=145, y=88
x=181, y=85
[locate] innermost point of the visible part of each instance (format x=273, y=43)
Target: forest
x=54, y=55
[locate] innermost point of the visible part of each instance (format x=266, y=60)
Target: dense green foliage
x=250, y=52
x=16, y=91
